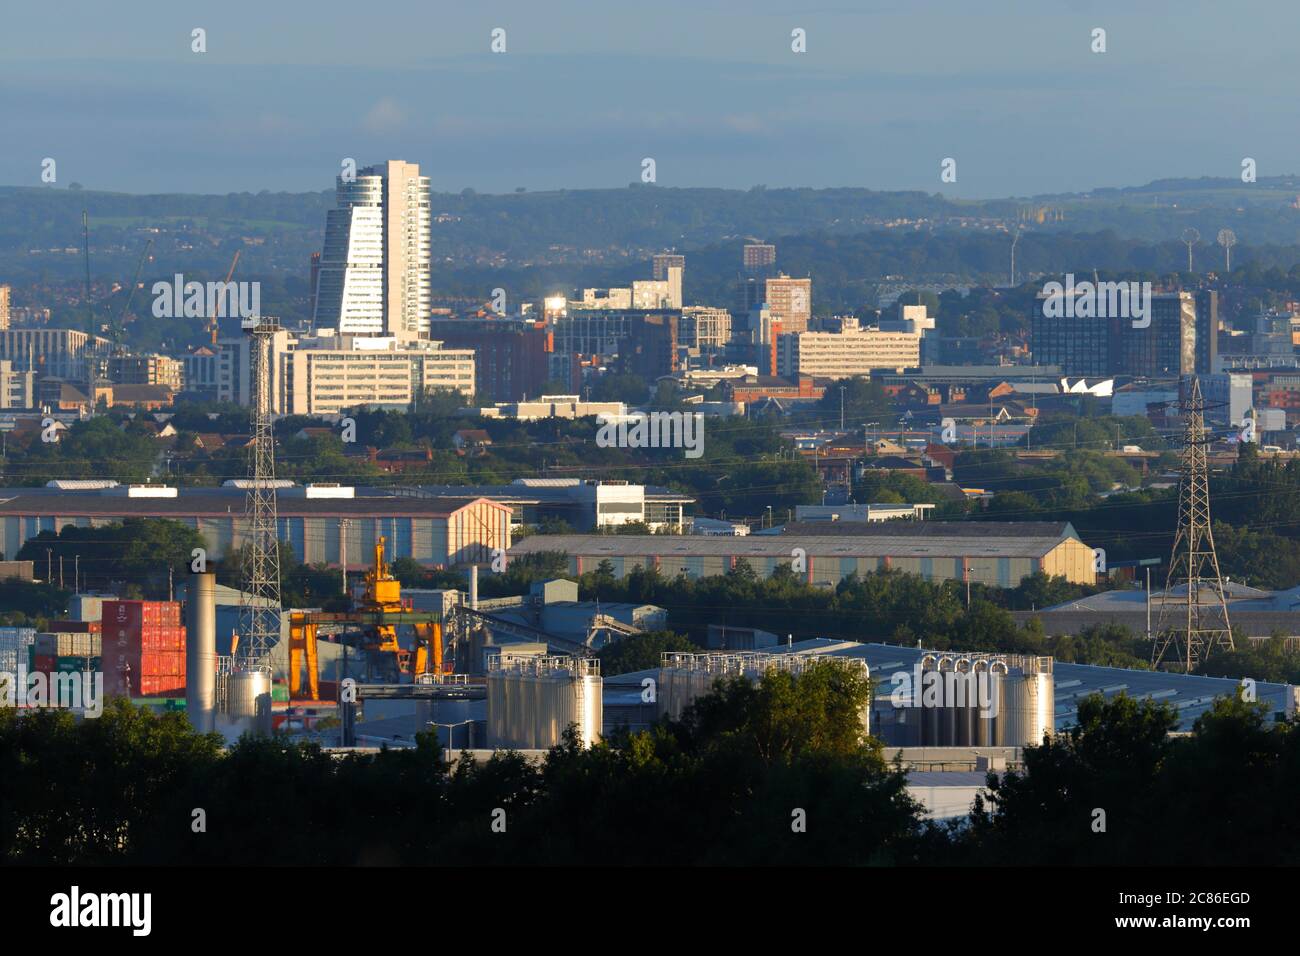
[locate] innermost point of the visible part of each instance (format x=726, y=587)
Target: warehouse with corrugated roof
x=325, y=524
x=998, y=554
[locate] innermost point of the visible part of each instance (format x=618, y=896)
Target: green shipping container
x=77, y=665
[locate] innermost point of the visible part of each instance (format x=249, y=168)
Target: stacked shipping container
x=143, y=648
x=15, y=641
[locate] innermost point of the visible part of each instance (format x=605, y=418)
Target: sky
x=587, y=89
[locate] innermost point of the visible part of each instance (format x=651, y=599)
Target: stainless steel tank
x=249, y=699
x=1028, y=707
x=968, y=705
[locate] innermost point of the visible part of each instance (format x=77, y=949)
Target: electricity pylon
x=259, y=602
x=1189, y=630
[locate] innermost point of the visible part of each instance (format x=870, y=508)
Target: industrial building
x=1191, y=695
x=1254, y=612
x=323, y=524
x=998, y=554
x=584, y=504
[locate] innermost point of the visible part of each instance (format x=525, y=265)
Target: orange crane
x=212, y=319
x=381, y=610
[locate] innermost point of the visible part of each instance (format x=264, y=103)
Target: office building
x=325, y=374
x=510, y=355
x=4, y=307
x=1109, y=345
x=60, y=353
x=374, y=268
x=854, y=351
x=1207, y=331
x=147, y=369
x=17, y=388
x=609, y=332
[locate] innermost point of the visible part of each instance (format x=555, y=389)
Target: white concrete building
x=552, y=406
x=851, y=352
x=322, y=375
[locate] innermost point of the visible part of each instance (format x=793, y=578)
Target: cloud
x=385, y=117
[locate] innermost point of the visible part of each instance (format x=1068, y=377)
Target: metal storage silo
x=249, y=699
x=929, y=713
x=947, y=723
x=532, y=701
x=1028, y=706
x=967, y=704
x=980, y=728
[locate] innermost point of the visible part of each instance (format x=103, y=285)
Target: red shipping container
x=162, y=663
x=45, y=663
x=167, y=686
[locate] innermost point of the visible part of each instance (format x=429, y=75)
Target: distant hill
x=279, y=231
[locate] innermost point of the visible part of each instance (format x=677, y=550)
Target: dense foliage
x=777, y=772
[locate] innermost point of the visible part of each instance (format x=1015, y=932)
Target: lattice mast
x=1192, y=626
x=259, y=603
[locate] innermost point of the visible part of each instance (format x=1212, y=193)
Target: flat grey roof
x=207, y=502
x=780, y=546
x=1191, y=695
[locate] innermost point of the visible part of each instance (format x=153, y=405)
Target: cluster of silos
x=973, y=700
x=532, y=700
x=684, y=677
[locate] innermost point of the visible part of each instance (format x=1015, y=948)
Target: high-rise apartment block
x=4, y=307
x=671, y=268
x=790, y=302
x=374, y=267
x=705, y=328
x=759, y=258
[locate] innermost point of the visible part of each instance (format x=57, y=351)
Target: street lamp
x=769, y=516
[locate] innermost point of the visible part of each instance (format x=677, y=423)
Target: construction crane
x=117, y=329
x=212, y=319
